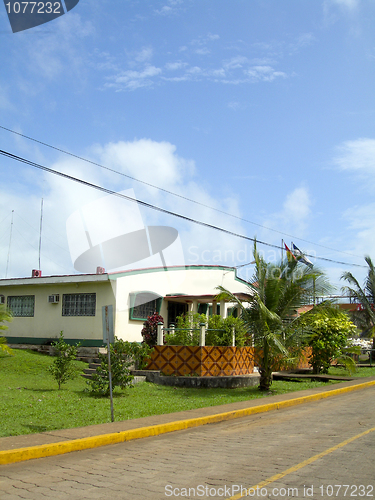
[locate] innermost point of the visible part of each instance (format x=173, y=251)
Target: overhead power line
x=153, y=207
x=174, y=194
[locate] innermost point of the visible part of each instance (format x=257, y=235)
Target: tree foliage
x=121, y=361
x=329, y=330
x=365, y=295
x=275, y=293
x=62, y=368
x=218, y=330
x=5, y=315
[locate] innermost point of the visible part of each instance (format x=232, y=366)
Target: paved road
x=214, y=461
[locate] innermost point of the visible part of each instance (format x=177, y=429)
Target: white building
x=43, y=306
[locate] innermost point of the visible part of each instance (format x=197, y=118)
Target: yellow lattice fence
x=208, y=361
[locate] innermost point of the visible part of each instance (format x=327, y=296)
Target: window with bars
x=21, y=305
x=79, y=304
x=144, y=304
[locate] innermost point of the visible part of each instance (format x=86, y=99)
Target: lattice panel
x=209, y=361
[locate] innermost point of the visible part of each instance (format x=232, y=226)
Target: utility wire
x=175, y=194
x=154, y=207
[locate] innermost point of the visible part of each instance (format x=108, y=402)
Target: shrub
x=223, y=337
x=62, y=368
x=329, y=340
x=187, y=330
x=120, y=369
x=139, y=353
x=4, y=316
x=149, y=330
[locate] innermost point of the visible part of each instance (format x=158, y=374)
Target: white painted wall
x=190, y=281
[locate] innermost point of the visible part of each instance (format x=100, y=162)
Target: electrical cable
x=175, y=194
x=153, y=207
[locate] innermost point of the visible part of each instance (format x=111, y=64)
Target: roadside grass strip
x=59, y=448
x=299, y=466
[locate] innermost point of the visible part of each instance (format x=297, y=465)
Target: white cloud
x=59, y=51
x=297, y=206
x=175, y=66
x=203, y=51
x=4, y=100
x=234, y=105
x=264, y=73
x=347, y=4
x=361, y=225
x=235, y=70
x=146, y=159
x=172, y=7
x=357, y=155
x=236, y=62
x=144, y=55
x=132, y=80
x=293, y=217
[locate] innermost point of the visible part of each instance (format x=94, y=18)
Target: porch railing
x=202, y=333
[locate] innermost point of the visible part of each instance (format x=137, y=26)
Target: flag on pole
x=301, y=256
x=289, y=253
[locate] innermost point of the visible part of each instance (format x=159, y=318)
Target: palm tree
x=365, y=296
x=276, y=292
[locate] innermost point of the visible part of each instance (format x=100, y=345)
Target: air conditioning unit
x=54, y=299
x=36, y=273
x=100, y=270
x=2, y=299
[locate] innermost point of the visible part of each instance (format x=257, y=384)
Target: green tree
x=5, y=315
x=275, y=293
x=62, y=368
x=365, y=295
x=329, y=330
x=121, y=361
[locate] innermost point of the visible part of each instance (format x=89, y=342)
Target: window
x=144, y=304
x=202, y=308
x=79, y=304
x=22, y=306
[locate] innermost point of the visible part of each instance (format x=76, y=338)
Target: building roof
x=91, y=278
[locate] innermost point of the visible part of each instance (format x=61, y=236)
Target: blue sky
x=261, y=109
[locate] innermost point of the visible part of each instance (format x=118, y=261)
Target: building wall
x=190, y=280
x=114, y=289
x=48, y=321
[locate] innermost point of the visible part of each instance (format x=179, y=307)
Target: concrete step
x=89, y=371
x=94, y=365
x=88, y=359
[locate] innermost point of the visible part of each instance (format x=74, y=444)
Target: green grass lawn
x=31, y=402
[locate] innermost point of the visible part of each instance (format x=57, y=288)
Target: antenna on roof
x=40, y=230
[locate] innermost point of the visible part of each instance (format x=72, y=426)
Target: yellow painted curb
x=48, y=450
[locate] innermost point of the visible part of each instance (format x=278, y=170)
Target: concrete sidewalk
x=25, y=447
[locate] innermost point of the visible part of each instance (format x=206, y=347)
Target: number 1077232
x=34, y=7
